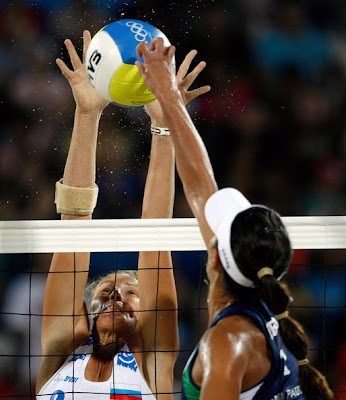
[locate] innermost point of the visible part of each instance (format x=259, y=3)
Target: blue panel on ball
x=128, y=33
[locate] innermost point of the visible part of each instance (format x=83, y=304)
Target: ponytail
x=276, y=295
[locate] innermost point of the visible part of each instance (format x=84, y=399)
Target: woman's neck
x=105, y=345
x=218, y=299
x=106, y=351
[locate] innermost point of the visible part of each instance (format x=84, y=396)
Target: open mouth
x=112, y=309
x=114, y=306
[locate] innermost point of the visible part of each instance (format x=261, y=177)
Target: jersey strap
x=190, y=391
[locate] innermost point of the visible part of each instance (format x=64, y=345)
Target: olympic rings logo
x=140, y=32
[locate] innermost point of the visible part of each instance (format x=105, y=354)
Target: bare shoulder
x=225, y=362
x=236, y=348
x=56, y=350
x=222, y=354
x=231, y=335
x=233, y=342
x=237, y=333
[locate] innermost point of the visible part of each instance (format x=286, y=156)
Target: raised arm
x=155, y=272
x=192, y=159
x=64, y=325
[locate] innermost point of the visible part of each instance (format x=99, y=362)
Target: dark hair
x=259, y=239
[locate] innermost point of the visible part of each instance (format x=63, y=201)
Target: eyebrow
x=131, y=284
x=106, y=282
x=126, y=283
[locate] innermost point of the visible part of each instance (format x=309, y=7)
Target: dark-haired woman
x=252, y=350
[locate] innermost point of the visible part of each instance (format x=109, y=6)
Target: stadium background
x=273, y=124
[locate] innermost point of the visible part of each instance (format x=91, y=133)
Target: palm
x=84, y=94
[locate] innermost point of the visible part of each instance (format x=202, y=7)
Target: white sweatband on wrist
x=155, y=130
x=75, y=200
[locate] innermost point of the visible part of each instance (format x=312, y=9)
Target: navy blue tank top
x=282, y=381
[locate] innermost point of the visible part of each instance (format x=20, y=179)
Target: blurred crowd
x=273, y=125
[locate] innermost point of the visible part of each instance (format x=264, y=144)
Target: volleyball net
x=316, y=279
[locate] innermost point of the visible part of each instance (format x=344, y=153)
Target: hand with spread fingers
x=184, y=79
x=86, y=98
x=158, y=70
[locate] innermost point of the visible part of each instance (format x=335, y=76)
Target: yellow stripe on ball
x=127, y=87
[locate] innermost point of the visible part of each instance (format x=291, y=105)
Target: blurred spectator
x=291, y=42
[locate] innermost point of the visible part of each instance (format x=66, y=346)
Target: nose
x=115, y=295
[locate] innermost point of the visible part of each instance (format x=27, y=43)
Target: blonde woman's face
x=116, y=301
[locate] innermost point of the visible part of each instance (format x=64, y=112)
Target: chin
x=119, y=327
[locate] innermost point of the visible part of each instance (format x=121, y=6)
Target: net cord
x=179, y=234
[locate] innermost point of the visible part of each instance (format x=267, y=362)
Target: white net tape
x=180, y=234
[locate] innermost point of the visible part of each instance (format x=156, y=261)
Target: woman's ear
x=213, y=254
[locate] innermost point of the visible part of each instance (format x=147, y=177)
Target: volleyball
x=110, y=62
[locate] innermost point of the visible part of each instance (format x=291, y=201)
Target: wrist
x=158, y=122
x=160, y=131
x=169, y=96
x=90, y=114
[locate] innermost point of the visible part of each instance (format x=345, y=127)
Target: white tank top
x=69, y=383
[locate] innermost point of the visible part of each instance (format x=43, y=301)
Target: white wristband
x=155, y=130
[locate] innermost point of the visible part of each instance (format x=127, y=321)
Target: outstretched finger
x=198, y=92
x=63, y=68
x=185, y=65
x=190, y=78
x=86, y=43
x=74, y=57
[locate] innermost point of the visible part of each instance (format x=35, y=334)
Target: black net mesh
x=316, y=279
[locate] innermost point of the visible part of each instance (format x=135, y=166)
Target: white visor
x=220, y=211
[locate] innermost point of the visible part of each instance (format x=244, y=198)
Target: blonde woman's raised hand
x=86, y=98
